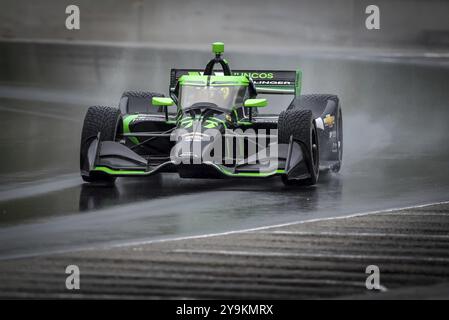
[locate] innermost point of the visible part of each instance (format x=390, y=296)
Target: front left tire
x=299, y=124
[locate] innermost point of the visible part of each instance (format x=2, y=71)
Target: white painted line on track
x=433, y=214
x=360, y=234
x=143, y=242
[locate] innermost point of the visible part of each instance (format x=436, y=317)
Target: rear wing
x=265, y=81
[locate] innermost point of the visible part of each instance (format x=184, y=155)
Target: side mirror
x=255, y=103
x=164, y=103
x=161, y=101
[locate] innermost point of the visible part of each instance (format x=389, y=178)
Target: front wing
x=115, y=159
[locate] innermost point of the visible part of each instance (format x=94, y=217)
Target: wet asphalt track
x=395, y=155
x=324, y=258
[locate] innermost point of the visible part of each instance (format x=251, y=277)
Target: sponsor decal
x=273, y=82
x=329, y=120
x=255, y=75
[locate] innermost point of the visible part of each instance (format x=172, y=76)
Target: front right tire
x=108, y=122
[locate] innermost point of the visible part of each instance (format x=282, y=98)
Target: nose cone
x=198, y=141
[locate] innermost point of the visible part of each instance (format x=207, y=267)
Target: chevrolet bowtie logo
x=329, y=120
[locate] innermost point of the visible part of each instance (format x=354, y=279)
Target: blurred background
x=289, y=24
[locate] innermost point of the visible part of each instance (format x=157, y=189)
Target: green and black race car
x=218, y=128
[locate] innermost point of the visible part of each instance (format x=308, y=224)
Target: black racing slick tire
x=315, y=102
x=108, y=122
x=300, y=125
x=339, y=138
x=133, y=102
x=331, y=138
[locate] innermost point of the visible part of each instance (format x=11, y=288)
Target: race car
x=216, y=124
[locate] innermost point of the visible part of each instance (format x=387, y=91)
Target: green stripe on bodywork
x=210, y=124
x=298, y=82
x=244, y=123
x=223, y=170
x=251, y=174
x=241, y=122
x=120, y=172
x=187, y=124
x=267, y=89
x=126, y=122
x=223, y=122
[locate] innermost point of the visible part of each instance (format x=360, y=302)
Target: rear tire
x=300, y=124
x=139, y=102
x=319, y=103
x=316, y=102
x=107, y=121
